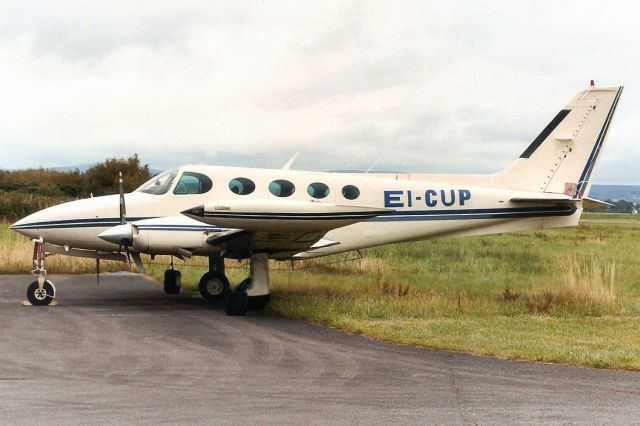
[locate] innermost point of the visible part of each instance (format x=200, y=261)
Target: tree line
x=100, y=179
x=25, y=191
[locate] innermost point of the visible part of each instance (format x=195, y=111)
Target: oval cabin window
x=281, y=188
x=242, y=186
x=350, y=192
x=318, y=190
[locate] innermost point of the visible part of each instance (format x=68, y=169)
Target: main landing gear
x=214, y=285
x=41, y=292
x=252, y=293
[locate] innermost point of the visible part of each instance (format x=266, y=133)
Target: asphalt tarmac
x=124, y=352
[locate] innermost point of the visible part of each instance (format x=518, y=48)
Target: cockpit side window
x=159, y=184
x=193, y=183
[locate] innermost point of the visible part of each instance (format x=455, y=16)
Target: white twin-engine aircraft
x=259, y=214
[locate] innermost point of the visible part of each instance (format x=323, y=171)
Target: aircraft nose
x=26, y=226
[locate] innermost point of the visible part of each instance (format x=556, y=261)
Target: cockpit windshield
x=159, y=184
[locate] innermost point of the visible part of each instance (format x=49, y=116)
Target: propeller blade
x=126, y=248
x=138, y=261
x=123, y=207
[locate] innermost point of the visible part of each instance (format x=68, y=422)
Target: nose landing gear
x=41, y=292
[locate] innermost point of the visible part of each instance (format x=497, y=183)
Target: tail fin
x=562, y=158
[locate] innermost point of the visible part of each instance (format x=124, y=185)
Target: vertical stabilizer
x=562, y=158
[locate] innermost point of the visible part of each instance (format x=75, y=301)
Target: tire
x=172, y=281
x=38, y=298
x=236, y=303
x=255, y=303
x=213, y=286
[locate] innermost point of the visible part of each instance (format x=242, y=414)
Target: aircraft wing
x=281, y=228
x=240, y=243
x=89, y=254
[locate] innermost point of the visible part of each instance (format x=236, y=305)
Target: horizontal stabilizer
x=556, y=199
x=588, y=203
x=592, y=203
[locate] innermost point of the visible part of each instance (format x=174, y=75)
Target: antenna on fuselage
x=290, y=162
x=399, y=166
x=372, y=166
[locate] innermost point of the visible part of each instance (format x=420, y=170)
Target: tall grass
x=589, y=279
x=16, y=253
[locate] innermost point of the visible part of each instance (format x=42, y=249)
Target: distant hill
x=615, y=192
x=81, y=167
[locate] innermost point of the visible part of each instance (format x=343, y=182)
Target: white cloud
x=439, y=86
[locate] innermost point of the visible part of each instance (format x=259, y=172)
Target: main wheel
x=236, y=303
x=213, y=286
x=38, y=297
x=172, y=281
x=255, y=303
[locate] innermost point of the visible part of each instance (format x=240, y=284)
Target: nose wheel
x=41, y=292
x=41, y=296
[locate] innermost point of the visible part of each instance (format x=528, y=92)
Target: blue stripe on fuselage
x=395, y=216
x=88, y=222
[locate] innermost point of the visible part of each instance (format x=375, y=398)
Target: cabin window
x=281, y=188
x=350, y=192
x=318, y=190
x=159, y=184
x=242, y=186
x=193, y=183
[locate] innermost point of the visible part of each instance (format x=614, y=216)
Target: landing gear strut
x=41, y=292
x=253, y=292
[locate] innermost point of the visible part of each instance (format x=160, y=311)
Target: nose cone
x=26, y=226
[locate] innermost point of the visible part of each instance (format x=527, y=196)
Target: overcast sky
x=421, y=86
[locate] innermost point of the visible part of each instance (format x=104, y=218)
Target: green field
x=568, y=295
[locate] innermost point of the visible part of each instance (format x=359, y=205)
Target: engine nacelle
x=173, y=235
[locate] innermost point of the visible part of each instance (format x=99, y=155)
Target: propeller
x=123, y=207
x=125, y=242
x=123, y=234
